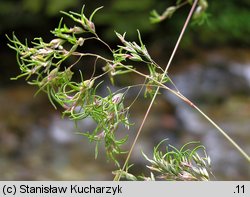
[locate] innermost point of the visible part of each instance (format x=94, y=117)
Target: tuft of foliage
x=180, y=165
x=44, y=64
x=200, y=16
x=184, y=164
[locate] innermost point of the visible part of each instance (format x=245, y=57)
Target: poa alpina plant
x=44, y=64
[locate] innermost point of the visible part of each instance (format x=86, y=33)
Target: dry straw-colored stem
x=182, y=97
x=118, y=176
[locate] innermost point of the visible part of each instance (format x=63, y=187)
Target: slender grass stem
x=185, y=99
x=181, y=96
x=118, y=176
x=108, y=112
x=244, y=154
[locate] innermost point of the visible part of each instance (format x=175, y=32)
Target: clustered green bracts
x=45, y=65
x=175, y=165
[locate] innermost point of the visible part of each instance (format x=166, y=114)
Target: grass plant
x=45, y=65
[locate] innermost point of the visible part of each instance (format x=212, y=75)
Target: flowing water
x=37, y=144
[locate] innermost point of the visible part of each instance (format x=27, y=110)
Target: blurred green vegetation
x=18, y=13
x=228, y=21
x=228, y=24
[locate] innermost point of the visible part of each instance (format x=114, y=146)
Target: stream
x=37, y=144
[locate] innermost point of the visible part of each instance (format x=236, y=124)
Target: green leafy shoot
x=180, y=165
x=189, y=163
x=125, y=175
x=43, y=64
x=200, y=16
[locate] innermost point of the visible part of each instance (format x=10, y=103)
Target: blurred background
x=211, y=68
